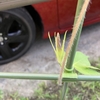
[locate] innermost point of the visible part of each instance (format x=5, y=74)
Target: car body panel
x=66, y=12
x=58, y=15
x=48, y=14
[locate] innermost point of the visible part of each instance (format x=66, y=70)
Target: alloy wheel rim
x=13, y=36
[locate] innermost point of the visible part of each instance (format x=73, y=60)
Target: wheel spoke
x=19, y=38
x=5, y=51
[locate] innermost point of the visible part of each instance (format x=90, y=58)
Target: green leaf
x=58, y=48
x=92, y=67
x=86, y=71
x=81, y=58
x=82, y=65
x=64, y=40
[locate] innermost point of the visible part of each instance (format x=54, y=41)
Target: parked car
x=18, y=27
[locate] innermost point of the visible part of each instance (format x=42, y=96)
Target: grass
x=84, y=90
x=13, y=96
x=75, y=91
x=1, y=94
x=47, y=92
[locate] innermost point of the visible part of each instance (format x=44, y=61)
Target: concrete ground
x=41, y=59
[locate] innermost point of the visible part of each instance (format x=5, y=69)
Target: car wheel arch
x=37, y=20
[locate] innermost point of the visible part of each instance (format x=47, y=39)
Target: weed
x=42, y=85
x=23, y=98
x=1, y=94
x=44, y=93
x=14, y=96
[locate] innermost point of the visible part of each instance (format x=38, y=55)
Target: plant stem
x=48, y=77
x=63, y=94
x=71, y=49
x=73, y=46
x=76, y=39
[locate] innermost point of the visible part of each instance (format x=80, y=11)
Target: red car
x=18, y=27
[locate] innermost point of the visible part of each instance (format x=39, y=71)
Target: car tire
x=17, y=33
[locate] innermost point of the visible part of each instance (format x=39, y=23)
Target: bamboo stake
x=71, y=49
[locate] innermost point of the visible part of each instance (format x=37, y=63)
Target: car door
x=67, y=8
x=66, y=12
x=48, y=14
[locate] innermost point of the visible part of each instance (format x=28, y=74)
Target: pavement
x=41, y=59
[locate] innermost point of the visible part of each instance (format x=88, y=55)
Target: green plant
x=77, y=97
x=42, y=85
x=70, y=60
x=1, y=94
x=39, y=93
x=45, y=93
x=23, y=98
x=14, y=96
x=79, y=60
